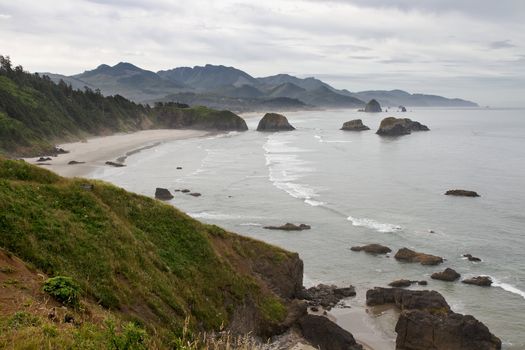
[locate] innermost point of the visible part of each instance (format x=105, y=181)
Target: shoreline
x=94, y=152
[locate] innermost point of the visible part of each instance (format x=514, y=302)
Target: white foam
x=507, y=287
x=374, y=225
x=250, y=224
x=213, y=216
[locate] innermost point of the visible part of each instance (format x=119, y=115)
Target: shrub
x=63, y=289
x=23, y=319
x=132, y=337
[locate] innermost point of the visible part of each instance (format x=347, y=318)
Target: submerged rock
x=274, y=122
x=325, y=334
x=373, y=107
x=115, y=164
x=470, y=257
x=195, y=194
x=407, y=255
x=355, y=125
x=448, y=275
x=462, y=193
x=482, y=281
x=289, y=227
x=74, y=162
x=163, y=194
x=373, y=248
x=402, y=283
x=326, y=296
x=399, y=126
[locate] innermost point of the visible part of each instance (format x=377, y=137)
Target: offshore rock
x=407, y=255
x=373, y=107
x=355, y=125
x=274, y=122
x=372, y=249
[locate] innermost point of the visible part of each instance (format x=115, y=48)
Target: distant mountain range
x=231, y=88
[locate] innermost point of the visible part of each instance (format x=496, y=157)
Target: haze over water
x=358, y=188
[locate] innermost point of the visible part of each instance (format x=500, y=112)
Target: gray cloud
x=502, y=44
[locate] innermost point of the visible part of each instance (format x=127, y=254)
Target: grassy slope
x=137, y=257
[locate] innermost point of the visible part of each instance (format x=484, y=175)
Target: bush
x=132, y=337
x=63, y=289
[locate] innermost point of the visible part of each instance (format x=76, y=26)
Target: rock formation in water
x=462, y=193
x=325, y=295
x=482, y=281
x=427, y=322
x=448, y=275
x=407, y=255
x=399, y=126
x=274, y=122
x=402, y=109
x=470, y=257
x=373, y=248
x=355, y=125
x=163, y=194
x=373, y=107
x=326, y=335
x=289, y=227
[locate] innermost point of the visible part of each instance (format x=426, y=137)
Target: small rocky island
x=461, y=193
x=274, y=122
x=373, y=107
x=355, y=125
x=399, y=126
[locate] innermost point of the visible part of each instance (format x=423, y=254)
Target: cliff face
x=136, y=258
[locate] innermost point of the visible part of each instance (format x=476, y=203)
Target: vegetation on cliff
x=35, y=113
x=133, y=259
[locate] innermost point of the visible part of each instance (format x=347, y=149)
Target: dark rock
x=399, y=126
x=372, y=249
x=59, y=150
x=326, y=296
x=402, y=108
x=69, y=318
x=402, y=283
x=163, y=194
x=179, y=168
x=185, y=190
x=355, y=125
x=407, y=255
x=44, y=159
x=419, y=330
x=422, y=283
x=314, y=309
x=482, y=281
x=373, y=107
x=448, y=275
x=471, y=258
x=115, y=164
x=461, y=193
x=289, y=227
x=195, y=194
x=274, y=122
x=405, y=299
x=325, y=334
x=74, y=162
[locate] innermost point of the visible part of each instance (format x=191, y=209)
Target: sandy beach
x=96, y=151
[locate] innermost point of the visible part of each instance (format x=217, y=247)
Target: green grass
x=139, y=258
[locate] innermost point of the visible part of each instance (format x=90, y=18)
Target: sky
x=472, y=49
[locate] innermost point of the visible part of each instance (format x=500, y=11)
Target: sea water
x=356, y=188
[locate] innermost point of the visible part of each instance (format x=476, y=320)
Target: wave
x=250, y=224
x=375, y=225
x=321, y=140
x=213, y=216
x=285, y=168
x=507, y=287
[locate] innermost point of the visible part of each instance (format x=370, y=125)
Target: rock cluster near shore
x=289, y=227
x=326, y=335
x=427, y=322
x=402, y=283
x=274, y=122
x=326, y=296
x=448, y=275
x=407, y=255
x=373, y=248
x=354, y=125
x=482, y=281
x=399, y=126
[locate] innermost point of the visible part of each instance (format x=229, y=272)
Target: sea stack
x=373, y=107
x=355, y=125
x=274, y=122
x=399, y=126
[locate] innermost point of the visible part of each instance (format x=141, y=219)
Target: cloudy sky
x=473, y=49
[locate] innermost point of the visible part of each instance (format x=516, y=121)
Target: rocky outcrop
x=355, y=125
x=470, y=257
x=289, y=227
x=402, y=109
x=195, y=194
x=405, y=299
x=274, y=122
x=171, y=116
x=419, y=330
x=407, y=255
x=326, y=335
x=115, y=164
x=461, y=193
x=427, y=322
x=482, y=281
x=399, y=126
x=44, y=159
x=373, y=248
x=163, y=194
x=402, y=283
x=448, y=275
x=326, y=296
x=373, y=107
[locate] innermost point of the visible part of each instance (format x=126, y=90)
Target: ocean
x=356, y=188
